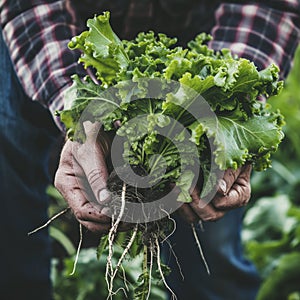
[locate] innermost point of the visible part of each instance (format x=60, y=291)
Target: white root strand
x=174, y=297
x=124, y=278
x=111, y=236
x=200, y=248
x=49, y=221
x=132, y=238
x=176, y=259
x=78, y=249
x=116, y=224
x=118, y=290
x=150, y=274
x=201, y=225
x=174, y=223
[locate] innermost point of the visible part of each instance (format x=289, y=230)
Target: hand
x=81, y=179
x=234, y=191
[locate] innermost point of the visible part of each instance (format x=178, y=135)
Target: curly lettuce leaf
x=101, y=49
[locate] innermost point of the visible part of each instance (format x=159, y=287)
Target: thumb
x=90, y=156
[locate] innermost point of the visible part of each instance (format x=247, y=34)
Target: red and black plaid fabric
x=37, y=33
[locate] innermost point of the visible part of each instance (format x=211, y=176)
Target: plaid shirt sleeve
x=264, y=32
x=36, y=34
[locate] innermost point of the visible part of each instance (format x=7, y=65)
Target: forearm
x=265, y=32
x=36, y=34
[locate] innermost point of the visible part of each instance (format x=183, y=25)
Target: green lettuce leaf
x=102, y=49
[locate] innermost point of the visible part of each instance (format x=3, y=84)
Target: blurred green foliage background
x=272, y=223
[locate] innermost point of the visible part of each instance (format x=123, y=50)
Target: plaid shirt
x=37, y=32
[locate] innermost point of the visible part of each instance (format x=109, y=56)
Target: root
x=201, y=225
x=78, y=250
x=176, y=259
x=125, y=252
x=200, y=248
x=173, y=297
x=118, y=290
x=49, y=221
x=150, y=273
x=115, y=225
x=107, y=279
x=174, y=223
x=109, y=274
x=109, y=267
x=124, y=278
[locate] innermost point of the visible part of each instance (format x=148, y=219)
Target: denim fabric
x=27, y=133
x=232, y=277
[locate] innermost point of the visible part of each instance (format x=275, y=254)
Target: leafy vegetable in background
x=272, y=239
x=242, y=130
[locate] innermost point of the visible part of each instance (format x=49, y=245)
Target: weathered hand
x=81, y=179
x=234, y=191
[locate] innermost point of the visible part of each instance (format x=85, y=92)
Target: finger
x=239, y=194
x=69, y=178
x=91, y=215
x=91, y=130
x=91, y=159
x=82, y=208
x=232, y=200
x=205, y=211
x=95, y=134
x=72, y=190
x=187, y=214
x=228, y=180
x=88, y=215
x=89, y=212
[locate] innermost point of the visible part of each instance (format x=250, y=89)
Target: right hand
x=234, y=191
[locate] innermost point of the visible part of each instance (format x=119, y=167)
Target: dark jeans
x=27, y=133
x=232, y=276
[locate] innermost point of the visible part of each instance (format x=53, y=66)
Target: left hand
x=234, y=191
x=81, y=179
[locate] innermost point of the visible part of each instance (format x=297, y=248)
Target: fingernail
x=223, y=186
x=103, y=196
